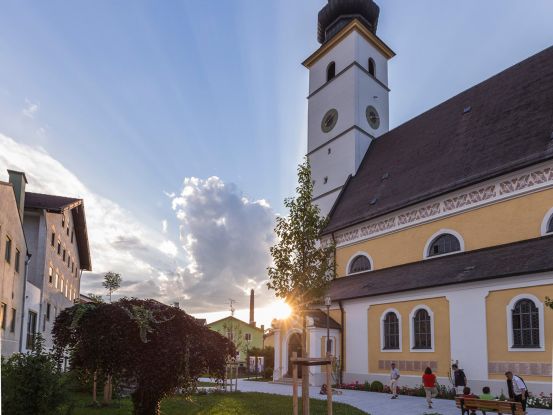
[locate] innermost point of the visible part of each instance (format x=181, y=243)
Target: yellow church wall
x=500, y=223
x=500, y=358
x=410, y=362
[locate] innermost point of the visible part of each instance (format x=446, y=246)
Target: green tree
x=32, y=383
x=303, y=266
x=112, y=282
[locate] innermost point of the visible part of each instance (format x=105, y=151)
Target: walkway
x=370, y=402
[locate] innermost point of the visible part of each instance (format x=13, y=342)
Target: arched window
x=359, y=264
x=550, y=225
x=372, y=68
x=391, y=331
x=526, y=324
x=422, y=330
x=444, y=244
x=330, y=71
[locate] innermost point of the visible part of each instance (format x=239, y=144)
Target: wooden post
x=329, y=386
x=295, y=383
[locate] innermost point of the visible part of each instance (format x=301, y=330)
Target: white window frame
x=355, y=256
x=382, y=339
x=548, y=216
x=509, y=310
x=412, y=329
x=429, y=241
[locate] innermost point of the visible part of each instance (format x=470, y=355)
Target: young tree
x=112, y=282
x=153, y=347
x=303, y=266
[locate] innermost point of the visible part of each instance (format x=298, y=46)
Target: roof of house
x=500, y=125
x=234, y=319
x=59, y=204
x=519, y=258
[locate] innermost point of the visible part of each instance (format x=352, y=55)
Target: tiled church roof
x=527, y=257
x=497, y=126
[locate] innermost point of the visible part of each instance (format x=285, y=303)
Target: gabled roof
x=59, y=204
x=233, y=319
x=527, y=257
x=502, y=124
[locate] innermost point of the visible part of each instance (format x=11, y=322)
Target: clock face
x=372, y=117
x=329, y=120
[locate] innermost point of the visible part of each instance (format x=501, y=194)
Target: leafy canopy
x=303, y=266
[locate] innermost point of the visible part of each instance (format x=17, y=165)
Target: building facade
x=56, y=232
x=13, y=259
x=244, y=336
x=444, y=230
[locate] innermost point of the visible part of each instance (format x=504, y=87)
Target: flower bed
x=540, y=401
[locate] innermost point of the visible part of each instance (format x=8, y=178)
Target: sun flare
x=280, y=310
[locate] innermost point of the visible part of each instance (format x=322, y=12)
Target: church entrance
x=294, y=345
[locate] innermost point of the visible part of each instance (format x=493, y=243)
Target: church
x=443, y=226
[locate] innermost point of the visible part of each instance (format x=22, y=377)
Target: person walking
x=517, y=389
x=394, y=377
x=459, y=379
x=429, y=383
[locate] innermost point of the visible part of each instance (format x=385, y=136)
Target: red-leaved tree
x=149, y=345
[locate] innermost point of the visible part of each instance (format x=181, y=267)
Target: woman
x=429, y=383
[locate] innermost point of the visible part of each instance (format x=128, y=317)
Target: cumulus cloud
x=223, y=246
x=226, y=239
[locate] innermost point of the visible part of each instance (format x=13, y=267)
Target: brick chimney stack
x=252, y=320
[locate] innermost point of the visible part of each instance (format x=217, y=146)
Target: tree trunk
x=94, y=388
x=145, y=403
x=107, y=390
x=304, y=369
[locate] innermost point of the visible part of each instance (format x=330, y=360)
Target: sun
x=280, y=310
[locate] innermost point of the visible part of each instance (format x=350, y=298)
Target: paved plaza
x=370, y=402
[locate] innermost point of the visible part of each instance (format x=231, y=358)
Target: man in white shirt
x=394, y=377
x=517, y=389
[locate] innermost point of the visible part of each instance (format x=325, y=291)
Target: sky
x=181, y=123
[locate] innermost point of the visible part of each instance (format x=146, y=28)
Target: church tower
x=348, y=94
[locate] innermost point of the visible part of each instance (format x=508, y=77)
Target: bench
x=466, y=405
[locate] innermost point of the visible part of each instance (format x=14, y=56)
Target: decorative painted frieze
x=521, y=368
x=503, y=188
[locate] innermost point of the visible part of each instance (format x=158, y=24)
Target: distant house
x=244, y=336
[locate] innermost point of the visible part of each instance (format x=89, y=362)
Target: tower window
x=326, y=180
x=330, y=71
x=329, y=150
x=372, y=68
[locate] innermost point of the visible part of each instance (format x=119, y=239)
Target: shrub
x=32, y=383
x=367, y=386
x=377, y=386
x=268, y=373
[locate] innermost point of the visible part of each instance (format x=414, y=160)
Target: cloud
x=30, y=108
x=226, y=238
x=223, y=246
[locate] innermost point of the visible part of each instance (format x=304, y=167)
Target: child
x=468, y=394
x=486, y=395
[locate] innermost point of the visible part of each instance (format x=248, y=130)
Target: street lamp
x=328, y=302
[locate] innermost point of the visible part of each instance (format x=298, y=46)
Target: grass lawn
x=237, y=403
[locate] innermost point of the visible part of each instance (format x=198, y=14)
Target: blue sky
x=132, y=97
